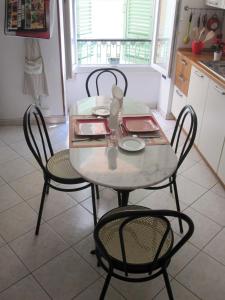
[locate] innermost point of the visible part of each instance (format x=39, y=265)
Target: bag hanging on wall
x=35, y=83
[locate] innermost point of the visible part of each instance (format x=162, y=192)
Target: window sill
x=127, y=68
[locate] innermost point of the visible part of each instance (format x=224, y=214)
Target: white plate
x=131, y=144
x=102, y=111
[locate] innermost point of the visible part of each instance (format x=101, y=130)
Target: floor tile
x=216, y=248
x=21, y=148
x=202, y=175
x=29, y=186
x=66, y=275
x=93, y=292
x=15, y=169
x=79, y=196
x=161, y=200
x=34, y=250
x=205, y=277
x=139, y=290
x=212, y=206
x=219, y=190
x=11, y=269
x=8, y=197
x=2, y=144
x=2, y=182
x=108, y=200
x=7, y=154
x=25, y=289
x=205, y=229
x=184, y=187
x=139, y=195
x=11, y=134
x=56, y=202
x=84, y=248
x=74, y=224
x=16, y=221
x=179, y=293
x=187, y=164
x=182, y=257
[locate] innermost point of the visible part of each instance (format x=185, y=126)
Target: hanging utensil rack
x=193, y=9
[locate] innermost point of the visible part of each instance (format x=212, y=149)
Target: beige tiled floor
x=58, y=265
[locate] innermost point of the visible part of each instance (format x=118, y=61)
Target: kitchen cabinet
x=179, y=101
x=221, y=168
x=213, y=125
x=215, y=3
x=182, y=76
x=197, y=95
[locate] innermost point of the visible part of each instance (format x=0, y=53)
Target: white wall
x=12, y=101
x=143, y=85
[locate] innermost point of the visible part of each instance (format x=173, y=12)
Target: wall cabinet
x=197, y=95
x=182, y=76
x=179, y=101
x=212, y=133
x=221, y=168
x=216, y=3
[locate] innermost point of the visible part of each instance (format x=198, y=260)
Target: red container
x=197, y=47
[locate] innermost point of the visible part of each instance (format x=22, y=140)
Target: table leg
x=124, y=195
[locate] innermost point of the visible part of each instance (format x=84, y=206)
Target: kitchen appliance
x=217, y=67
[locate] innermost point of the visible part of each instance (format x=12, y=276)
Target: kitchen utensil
x=197, y=47
x=199, y=23
x=195, y=33
x=204, y=22
x=186, y=38
x=213, y=23
x=209, y=36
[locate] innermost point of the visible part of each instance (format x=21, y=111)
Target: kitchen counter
x=204, y=56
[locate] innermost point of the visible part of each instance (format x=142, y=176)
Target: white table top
x=118, y=169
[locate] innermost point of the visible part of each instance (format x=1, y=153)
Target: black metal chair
x=136, y=240
x=96, y=74
x=56, y=167
x=192, y=123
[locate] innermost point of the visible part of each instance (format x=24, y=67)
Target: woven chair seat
x=142, y=238
x=59, y=166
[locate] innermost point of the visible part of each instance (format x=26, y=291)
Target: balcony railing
x=113, y=51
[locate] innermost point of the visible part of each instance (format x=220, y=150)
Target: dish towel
x=35, y=83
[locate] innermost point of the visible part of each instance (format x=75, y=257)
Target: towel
x=35, y=83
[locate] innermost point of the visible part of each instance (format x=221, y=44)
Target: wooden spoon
x=210, y=35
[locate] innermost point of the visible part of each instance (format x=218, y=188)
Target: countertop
x=204, y=56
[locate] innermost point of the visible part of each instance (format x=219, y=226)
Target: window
x=113, y=31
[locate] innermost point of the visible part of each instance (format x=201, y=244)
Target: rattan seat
x=59, y=166
x=142, y=238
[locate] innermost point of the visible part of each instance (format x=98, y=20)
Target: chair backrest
x=36, y=135
x=144, y=217
x=187, y=120
x=95, y=76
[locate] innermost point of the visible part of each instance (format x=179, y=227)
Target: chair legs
x=44, y=191
x=177, y=203
x=168, y=286
x=171, y=187
x=97, y=192
x=106, y=285
x=93, y=187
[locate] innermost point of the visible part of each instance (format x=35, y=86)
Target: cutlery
x=186, y=38
x=87, y=139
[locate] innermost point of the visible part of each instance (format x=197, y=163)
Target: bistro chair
x=56, y=167
x=136, y=244
x=98, y=74
x=186, y=117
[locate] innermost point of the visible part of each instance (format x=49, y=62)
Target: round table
x=122, y=170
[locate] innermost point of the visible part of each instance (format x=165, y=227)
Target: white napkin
x=114, y=112
x=117, y=94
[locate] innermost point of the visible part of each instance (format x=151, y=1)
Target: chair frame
x=34, y=111
x=155, y=268
x=189, y=141
x=102, y=71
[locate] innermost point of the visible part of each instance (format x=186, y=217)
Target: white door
x=164, y=34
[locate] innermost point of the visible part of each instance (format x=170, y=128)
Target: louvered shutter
x=139, y=25
x=84, y=28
